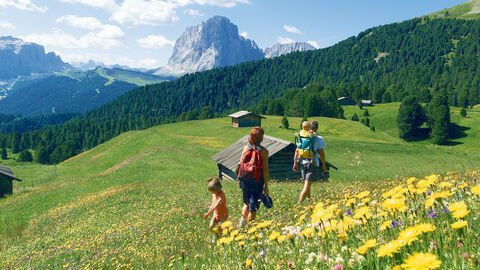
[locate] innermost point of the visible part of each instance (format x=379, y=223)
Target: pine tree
x=3, y=153
x=410, y=117
x=41, y=155
x=25, y=156
x=355, y=117
x=463, y=112
x=440, y=125
x=372, y=128
x=285, y=122
x=366, y=113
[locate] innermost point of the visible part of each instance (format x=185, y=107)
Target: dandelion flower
x=385, y=225
x=476, y=190
x=363, y=194
x=459, y=224
x=394, y=205
x=409, y=235
x=308, y=232
x=460, y=213
x=456, y=206
x=389, y=248
x=425, y=227
x=421, y=261
x=248, y=263
x=274, y=235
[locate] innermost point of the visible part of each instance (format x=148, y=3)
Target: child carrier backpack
x=251, y=164
x=304, y=145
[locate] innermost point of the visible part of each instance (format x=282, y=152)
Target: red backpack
x=251, y=164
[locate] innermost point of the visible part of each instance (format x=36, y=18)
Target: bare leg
x=245, y=211
x=251, y=216
x=305, y=192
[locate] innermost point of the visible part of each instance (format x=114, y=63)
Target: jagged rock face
x=279, y=49
x=214, y=43
x=22, y=58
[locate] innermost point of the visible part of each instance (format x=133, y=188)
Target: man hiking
x=310, y=155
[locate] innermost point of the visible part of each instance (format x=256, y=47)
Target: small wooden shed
x=6, y=181
x=246, y=119
x=345, y=101
x=280, y=158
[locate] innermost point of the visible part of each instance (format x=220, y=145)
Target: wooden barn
x=6, y=181
x=345, y=101
x=280, y=158
x=246, y=119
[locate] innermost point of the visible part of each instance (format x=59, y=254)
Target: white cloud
x=22, y=5
x=6, y=25
x=109, y=5
x=151, y=12
x=313, y=43
x=157, y=41
x=107, y=36
x=220, y=3
x=244, y=34
x=291, y=29
x=193, y=12
x=284, y=40
x=90, y=23
x=138, y=12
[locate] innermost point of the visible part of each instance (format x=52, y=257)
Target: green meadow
x=137, y=201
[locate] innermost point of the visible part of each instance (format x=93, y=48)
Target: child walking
x=218, y=206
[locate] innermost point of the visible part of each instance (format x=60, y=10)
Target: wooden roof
x=6, y=171
x=230, y=156
x=244, y=113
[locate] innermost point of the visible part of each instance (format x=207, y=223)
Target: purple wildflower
x=445, y=210
x=349, y=212
x=429, y=192
x=432, y=214
x=396, y=223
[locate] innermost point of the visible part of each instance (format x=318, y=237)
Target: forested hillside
x=420, y=57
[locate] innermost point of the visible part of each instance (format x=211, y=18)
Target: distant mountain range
x=19, y=58
x=217, y=43
x=72, y=92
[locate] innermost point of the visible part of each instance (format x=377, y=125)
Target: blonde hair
x=214, y=184
x=306, y=125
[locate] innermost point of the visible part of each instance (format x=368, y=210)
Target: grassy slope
x=141, y=195
x=462, y=11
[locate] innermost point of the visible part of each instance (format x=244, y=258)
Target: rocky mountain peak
x=280, y=49
x=19, y=58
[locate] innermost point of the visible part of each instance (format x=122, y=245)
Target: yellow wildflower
x=308, y=232
x=460, y=213
x=240, y=237
x=425, y=227
x=389, y=248
x=408, y=235
x=226, y=224
x=363, y=194
x=394, y=205
x=281, y=238
x=463, y=185
x=445, y=185
x=248, y=263
x=456, y=206
x=274, y=235
x=385, y=225
x=421, y=261
x=459, y=224
x=411, y=180
x=476, y=190
x=362, y=212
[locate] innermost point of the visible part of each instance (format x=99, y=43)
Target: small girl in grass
x=219, y=205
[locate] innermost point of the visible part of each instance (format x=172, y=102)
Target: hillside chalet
x=345, y=101
x=246, y=119
x=280, y=158
x=6, y=181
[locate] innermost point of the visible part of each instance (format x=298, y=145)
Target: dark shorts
x=310, y=172
x=252, y=191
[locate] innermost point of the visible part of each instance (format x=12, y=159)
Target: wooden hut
x=367, y=103
x=246, y=119
x=6, y=181
x=280, y=159
x=345, y=101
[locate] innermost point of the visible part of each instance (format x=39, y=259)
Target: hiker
x=253, y=175
x=309, y=147
x=218, y=206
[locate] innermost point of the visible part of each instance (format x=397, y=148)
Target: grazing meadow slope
x=137, y=201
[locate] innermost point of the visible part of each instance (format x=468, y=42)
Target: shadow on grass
x=421, y=135
x=457, y=131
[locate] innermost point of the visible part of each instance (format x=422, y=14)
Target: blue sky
x=141, y=33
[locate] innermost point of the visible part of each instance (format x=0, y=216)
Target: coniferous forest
x=420, y=57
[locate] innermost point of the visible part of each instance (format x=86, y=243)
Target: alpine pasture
x=137, y=201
